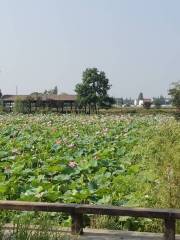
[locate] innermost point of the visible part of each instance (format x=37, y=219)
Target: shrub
x=18, y=105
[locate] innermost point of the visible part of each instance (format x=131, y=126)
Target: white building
x=140, y=103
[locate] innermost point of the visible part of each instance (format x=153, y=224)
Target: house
x=140, y=103
x=60, y=102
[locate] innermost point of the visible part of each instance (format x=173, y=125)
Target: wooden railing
x=78, y=210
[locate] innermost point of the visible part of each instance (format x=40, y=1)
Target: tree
x=140, y=97
x=147, y=104
x=18, y=105
x=55, y=90
x=36, y=94
x=23, y=105
x=174, y=92
x=159, y=101
x=93, y=91
x=128, y=102
x=52, y=91
x=118, y=101
x=1, y=102
x=162, y=100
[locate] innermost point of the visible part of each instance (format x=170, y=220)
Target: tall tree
x=162, y=99
x=51, y=91
x=0, y=93
x=55, y=90
x=93, y=91
x=157, y=102
x=140, y=97
x=174, y=91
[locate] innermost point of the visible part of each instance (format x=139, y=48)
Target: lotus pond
x=118, y=160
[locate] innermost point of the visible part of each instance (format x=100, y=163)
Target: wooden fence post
x=170, y=228
x=77, y=223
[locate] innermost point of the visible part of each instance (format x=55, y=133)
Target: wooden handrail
x=78, y=210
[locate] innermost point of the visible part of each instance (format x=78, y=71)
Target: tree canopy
x=140, y=97
x=53, y=91
x=159, y=101
x=147, y=104
x=93, y=91
x=174, y=91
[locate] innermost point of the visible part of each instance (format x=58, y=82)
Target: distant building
x=140, y=103
x=51, y=101
x=44, y=97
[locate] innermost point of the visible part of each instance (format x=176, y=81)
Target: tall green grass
x=26, y=227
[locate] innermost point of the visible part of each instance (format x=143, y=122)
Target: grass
x=25, y=227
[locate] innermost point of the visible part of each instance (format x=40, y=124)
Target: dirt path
x=118, y=235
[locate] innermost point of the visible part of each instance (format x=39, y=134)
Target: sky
x=44, y=43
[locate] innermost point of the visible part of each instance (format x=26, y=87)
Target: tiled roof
x=62, y=97
x=147, y=100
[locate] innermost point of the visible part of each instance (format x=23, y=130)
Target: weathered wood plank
x=77, y=211
x=123, y=211
x=37, y=206
x=77, y=223
x=90, y=209
x=170, y=226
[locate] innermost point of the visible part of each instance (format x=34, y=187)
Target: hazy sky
x=50, y=42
